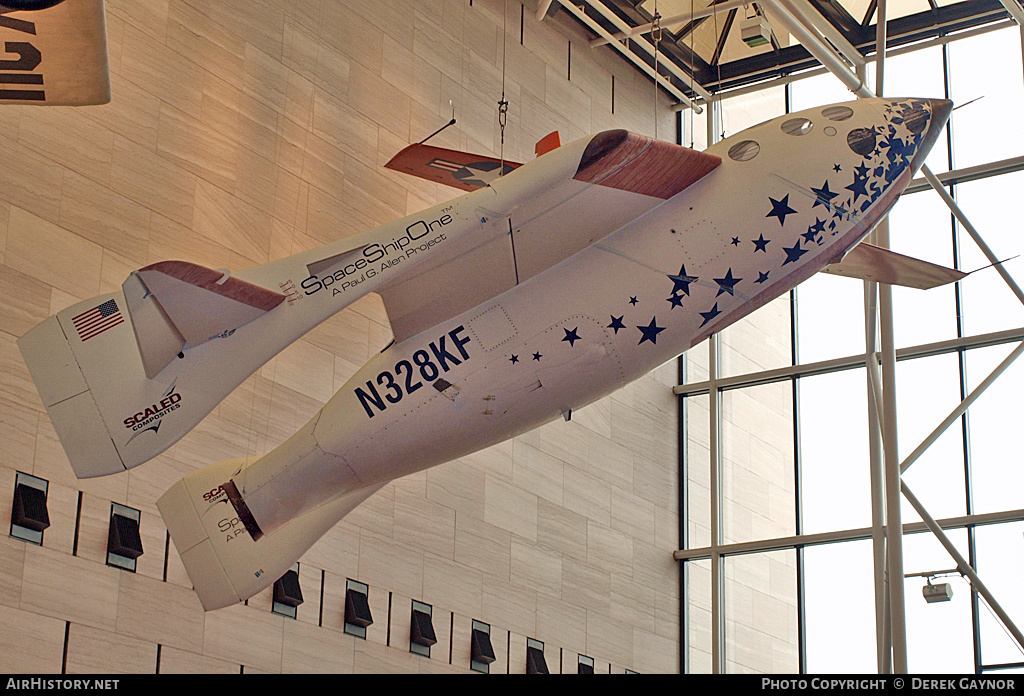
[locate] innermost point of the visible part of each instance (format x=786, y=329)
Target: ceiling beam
x=686, y=77
x=670, y=21
x=632, y=57
x=1015, y=11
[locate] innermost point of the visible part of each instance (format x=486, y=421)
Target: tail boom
x=224, y=562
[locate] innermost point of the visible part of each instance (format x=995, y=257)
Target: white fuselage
x=744, y=234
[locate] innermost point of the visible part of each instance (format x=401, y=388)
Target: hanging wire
x=718, y=60
x=503, y=104
x=692, y=92
x=656, y=35
x=999, y=622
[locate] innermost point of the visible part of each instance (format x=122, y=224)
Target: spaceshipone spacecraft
x=543, y=288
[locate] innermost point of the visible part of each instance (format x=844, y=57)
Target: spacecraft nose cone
x=930, y=122
x=941, y=108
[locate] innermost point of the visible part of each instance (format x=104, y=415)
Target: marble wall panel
x=243, y=131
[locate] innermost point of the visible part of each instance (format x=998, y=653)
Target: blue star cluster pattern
x=844, y=194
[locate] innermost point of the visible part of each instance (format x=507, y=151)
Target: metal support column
x=883, y=648
x=890, y=446
x=897, y=614
x=714, y=119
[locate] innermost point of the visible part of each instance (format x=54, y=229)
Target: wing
x=54, y=56
x=869, y=262
x=610, y=180
x=450, y=167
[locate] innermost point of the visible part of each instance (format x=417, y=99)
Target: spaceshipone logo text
x=377, y=258
x=426, y=366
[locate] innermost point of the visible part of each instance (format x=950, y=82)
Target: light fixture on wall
x=29, y=516
x=584, y=664
x=124, y=544
x=421, y=636
x=288, y=593
x=357, y=608
x=482, y=652
x=535, y=662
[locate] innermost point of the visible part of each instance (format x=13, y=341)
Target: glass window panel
x=744, y=111
x=988, y=303
x=830, y=318
x=818, y=91
x=927, y=391
x=996, y=437
x=858, y=8
x=987, y=66
x=698, y=471
x=839, y=608
x=920, y=227
x=760, y=613
x=939, y=635
x=1000, y=550
x=698, y=616
x=759, y=341
x=834, y=460
x=757, y=462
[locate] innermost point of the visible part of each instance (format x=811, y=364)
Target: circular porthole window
x=837, y=113
x=916, y=120
x=862, y=141
x=744, y=151
x=829, y=130
x=797, y=126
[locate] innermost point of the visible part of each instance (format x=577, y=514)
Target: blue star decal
x=761, y=244
x=818, y=226
x=537, y=357
x=617, y=323
x=810, y=235
x=762, y=276
x=793, y=253
x=823, y=195
x=780, y=209
x=571, y=336
x=735, y=241
x=633, y=300
x=837, y=168
x=676, y=301
x=682, y=281
x=710, y=314
x=859, y=187
x=727, y=284
x=650, y=332
x=514, y=359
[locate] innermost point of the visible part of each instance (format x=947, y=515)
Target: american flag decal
x=97, y=320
